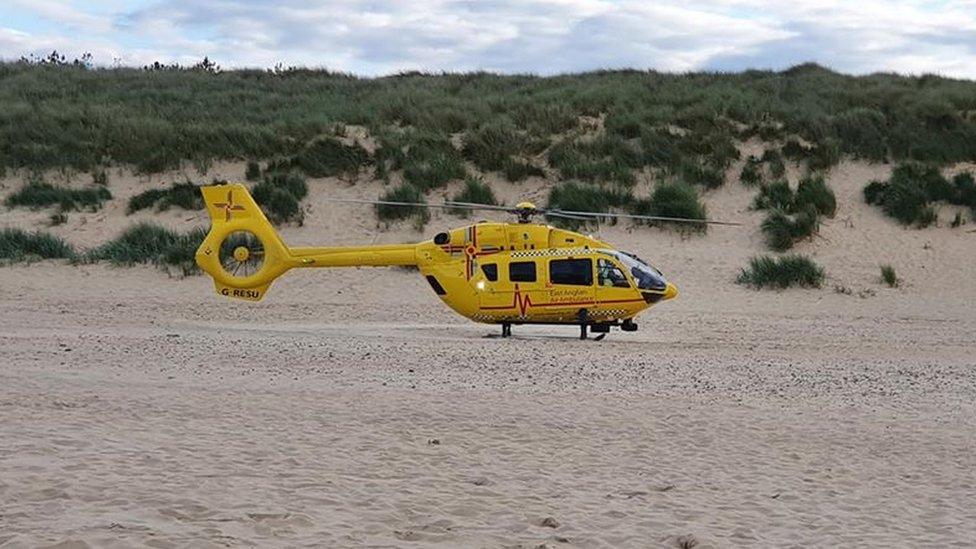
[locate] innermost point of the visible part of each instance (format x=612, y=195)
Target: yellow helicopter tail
x=242, y=252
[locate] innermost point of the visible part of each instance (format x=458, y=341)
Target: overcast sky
x=540, y=36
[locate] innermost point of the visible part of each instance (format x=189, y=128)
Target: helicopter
x=490, y=272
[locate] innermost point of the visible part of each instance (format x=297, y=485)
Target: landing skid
x=585, y=326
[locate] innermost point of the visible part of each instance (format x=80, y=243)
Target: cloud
x=541, y=36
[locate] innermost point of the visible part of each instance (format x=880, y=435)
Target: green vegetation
x=492, y=146
x=403, y=193
x=673, y=200
x=69, y=115
x=783, y=229
x=17, y=245
x=329, y=157
x=777, y=194
x=783, y=272
x=253, y=171
x=602, y=160
x=279, y=195
x=428, y=160
x=751, y=174
x=517, y=171
x=147, y=243
x=583, y=197
x=794, y=215
x=184, y=195
x=38, y=194
x=889, y=277
x=475, y=191
x=813, y=191
x=908, y=195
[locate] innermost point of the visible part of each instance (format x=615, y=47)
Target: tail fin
x=242, y=252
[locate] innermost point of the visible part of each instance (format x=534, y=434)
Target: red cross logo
x=229, y=206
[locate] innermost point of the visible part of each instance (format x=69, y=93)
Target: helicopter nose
x=670, y=291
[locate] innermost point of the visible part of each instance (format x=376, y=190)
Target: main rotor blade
x=445, y=205
x=559, y=213
x=591, y=215
x=476, y=206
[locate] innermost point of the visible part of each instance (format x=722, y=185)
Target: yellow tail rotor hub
x=241, y=254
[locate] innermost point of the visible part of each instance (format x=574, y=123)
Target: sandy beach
x=351, y=408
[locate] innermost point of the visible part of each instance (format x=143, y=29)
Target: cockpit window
x=647, y=277
x=609, y=275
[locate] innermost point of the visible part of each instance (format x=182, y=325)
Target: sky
x=511, y=36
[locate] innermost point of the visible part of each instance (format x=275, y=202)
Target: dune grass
x=404, y=192
x=329, y=157
x=889, y=277
x=148, y=243
x=673, y=200
x=782, y=272
x=782, y=230
x=751, y=174
x=475, y=191
x=280, y=195
x=17, y=245
x=40, y=194
x=68, y=115
x=185, y=195
x=908, y=196
x=794, y=215
x=585, y=197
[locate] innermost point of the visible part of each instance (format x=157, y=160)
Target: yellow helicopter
x=496, y=273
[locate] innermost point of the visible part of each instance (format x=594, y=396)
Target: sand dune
x=350, y=408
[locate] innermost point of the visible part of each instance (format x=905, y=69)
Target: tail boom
x=244, y=254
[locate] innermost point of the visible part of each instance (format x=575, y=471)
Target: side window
x=578, y=272
x=609, y=275
x=522, y=271
x=491, y=271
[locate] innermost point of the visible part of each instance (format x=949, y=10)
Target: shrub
x=774, y=195
x=777, y=168
x=19, y=245
x=403, y=193
x=875, y=191
x=292, y=182
x=603, y=160
x=784, y=272
x=702, y=174
x=782, y=230
x=824, y=156
x=518, y=171
x=581, y=197
x=751, y=174
x=184, y=195
x=278, y=202
x=678, y=200
x=329, y=157
x=490, y=147
x=253, y=172
x=100, y=177
x=965, y=190
x=38, y=194
x=475, y=191
x=795, y=151
x=147, y=243
x=813, y=191
x=862, y=133
x=889, y=277
x=434, y=168
x=428, y=160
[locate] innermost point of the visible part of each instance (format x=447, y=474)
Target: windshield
x=647, y=277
